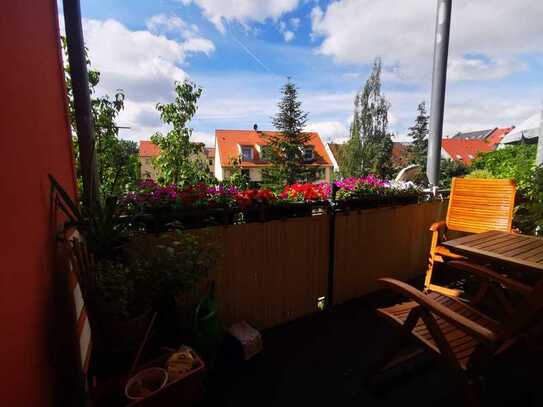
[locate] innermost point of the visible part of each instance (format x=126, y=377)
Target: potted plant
x=172, y=263
x=122, y=304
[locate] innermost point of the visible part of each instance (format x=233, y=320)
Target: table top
x=520, y=250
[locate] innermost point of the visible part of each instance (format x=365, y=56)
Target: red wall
x=34, y=141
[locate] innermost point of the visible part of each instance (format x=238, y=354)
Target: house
x=149, y=150
x=492, y=136
x=459, y=149
x=210, y=156
x=527, y=132
x=251, y=147
x=465, y=146
x=399, y=156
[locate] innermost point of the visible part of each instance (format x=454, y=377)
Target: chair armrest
x=468, y=326
x=487, y=273
x=438, y=225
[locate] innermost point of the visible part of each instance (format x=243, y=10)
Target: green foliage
x=237, y=178
x=529, y=213
x=351, y=155
x=172, y=262
x=418, y=150
x=480, y=174
x=180, y=161
x=450, y=169
x=517, y=162
x=514, y=162
x=121, y=291
x=287, y=148
x=370, y=146
x=104, y=230
x=116, y=159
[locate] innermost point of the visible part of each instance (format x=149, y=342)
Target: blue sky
x=241, y=51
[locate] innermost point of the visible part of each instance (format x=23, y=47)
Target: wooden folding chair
x=475, y=206
x=464, y=338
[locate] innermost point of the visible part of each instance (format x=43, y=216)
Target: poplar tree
x=369, y=148
x=351, y=154
x=373, y=119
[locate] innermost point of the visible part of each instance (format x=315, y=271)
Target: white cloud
x=202, y=137
x=401, y=32
x=294, y=23
x=330, y=131
x=288, y=36
x=242, y=11
x=142, y=63
x=481, y=69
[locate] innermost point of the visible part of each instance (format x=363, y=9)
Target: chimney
x=255, y=127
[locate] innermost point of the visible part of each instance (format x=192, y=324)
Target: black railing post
x=331, y=247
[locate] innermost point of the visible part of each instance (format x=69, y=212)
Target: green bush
x=513, y=162
x=518, y=163
x=480, y=174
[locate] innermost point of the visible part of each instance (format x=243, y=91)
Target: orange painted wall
x=34, y=141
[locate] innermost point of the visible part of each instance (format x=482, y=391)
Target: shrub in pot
x=173, y=264
x=123, y=304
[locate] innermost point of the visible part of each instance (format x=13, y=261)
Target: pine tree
x=373, y=119
x=287, y=147
x=418, y=150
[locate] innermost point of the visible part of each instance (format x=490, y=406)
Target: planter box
x=186, y=390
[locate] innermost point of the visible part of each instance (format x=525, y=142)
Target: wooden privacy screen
x=384, y=242
x=273, y=272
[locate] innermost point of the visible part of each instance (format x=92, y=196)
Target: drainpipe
x=539, y=156
x=82, y=102
x=439, y=78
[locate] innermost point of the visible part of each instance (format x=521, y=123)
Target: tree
x=450, y=169
x=418, y=150
x=116, y=159
x=287, y=147
x=373, y=125
x=237, y=178
x=369, y=148
x=515, y=162
x=351, y=154
x=180, y=161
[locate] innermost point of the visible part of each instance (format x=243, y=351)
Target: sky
x=242, y=51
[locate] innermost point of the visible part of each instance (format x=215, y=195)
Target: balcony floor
x=321, y=360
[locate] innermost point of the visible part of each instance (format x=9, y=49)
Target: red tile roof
x=465, y=150
x=400, y=154
x=229, y=140
x=497, y=134
x=148, y=149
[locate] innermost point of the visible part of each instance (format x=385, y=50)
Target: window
x=458, y=157
x=308, y=154
x=210, y=162
x=247, y=153
x=265, y=153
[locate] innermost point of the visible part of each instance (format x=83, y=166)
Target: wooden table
x=513, y=249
